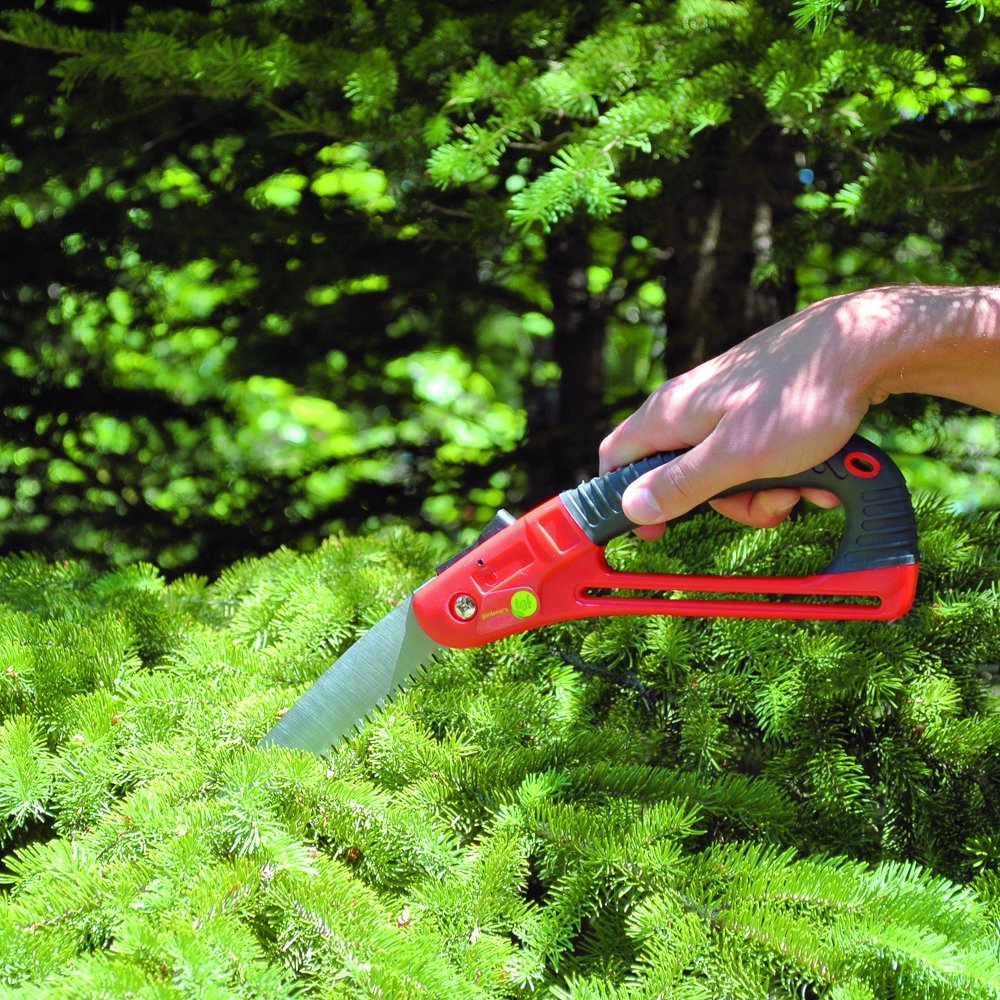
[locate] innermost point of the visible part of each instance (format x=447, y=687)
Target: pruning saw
x=550, y=566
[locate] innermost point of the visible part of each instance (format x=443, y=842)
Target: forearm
x=935, y=340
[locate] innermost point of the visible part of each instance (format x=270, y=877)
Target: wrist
x=933, y=340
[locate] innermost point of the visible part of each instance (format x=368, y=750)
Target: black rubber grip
x=879, y=530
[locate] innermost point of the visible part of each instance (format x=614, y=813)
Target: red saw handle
x=550, y=566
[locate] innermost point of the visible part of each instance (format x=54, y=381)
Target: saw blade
x=360, y=680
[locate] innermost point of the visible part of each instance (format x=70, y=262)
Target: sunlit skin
x=790, y=396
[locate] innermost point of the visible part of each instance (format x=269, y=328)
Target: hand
x=782, y=401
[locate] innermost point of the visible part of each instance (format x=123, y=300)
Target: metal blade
x=360, y=680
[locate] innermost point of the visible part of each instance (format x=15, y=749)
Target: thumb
x=675, y=488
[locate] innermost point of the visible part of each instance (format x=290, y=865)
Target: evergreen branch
x=38, y=44
x=299, y=125
x=628, y=680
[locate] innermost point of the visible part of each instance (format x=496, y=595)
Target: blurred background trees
x=274, y=268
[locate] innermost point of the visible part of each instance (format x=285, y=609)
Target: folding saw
x=550, y=566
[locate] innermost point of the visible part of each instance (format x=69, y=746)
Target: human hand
x=781, y=402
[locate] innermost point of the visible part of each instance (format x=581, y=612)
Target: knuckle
x=736, y=461
x=679, y=481
x=606, y=451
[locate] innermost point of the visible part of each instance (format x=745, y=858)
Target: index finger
x=659, y=424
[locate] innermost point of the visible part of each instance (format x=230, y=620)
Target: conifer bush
x=634, y=807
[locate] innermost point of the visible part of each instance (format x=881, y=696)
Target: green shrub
x=653, y=807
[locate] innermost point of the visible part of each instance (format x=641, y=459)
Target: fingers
x=651, y=532
x=665, y=422
x=689, y=480
x=768, y=508
x=635, y=438
x=822, y=498
x=702, y=473
x=762, y=509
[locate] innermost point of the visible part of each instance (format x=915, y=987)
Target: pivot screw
x=464, y=607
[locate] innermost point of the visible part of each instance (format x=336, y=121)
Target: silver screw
x=464, y=607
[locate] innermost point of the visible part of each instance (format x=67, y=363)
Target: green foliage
x=820, y=13
x=621, y=807
x=651, y=77
x=248, y=242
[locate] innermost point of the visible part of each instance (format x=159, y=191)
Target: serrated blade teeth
x=362, y=679
x=369, y=717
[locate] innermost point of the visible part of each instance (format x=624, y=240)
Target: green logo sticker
x=523, y=603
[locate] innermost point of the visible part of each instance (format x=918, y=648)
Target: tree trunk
x=566, y=421
x=724, y=209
